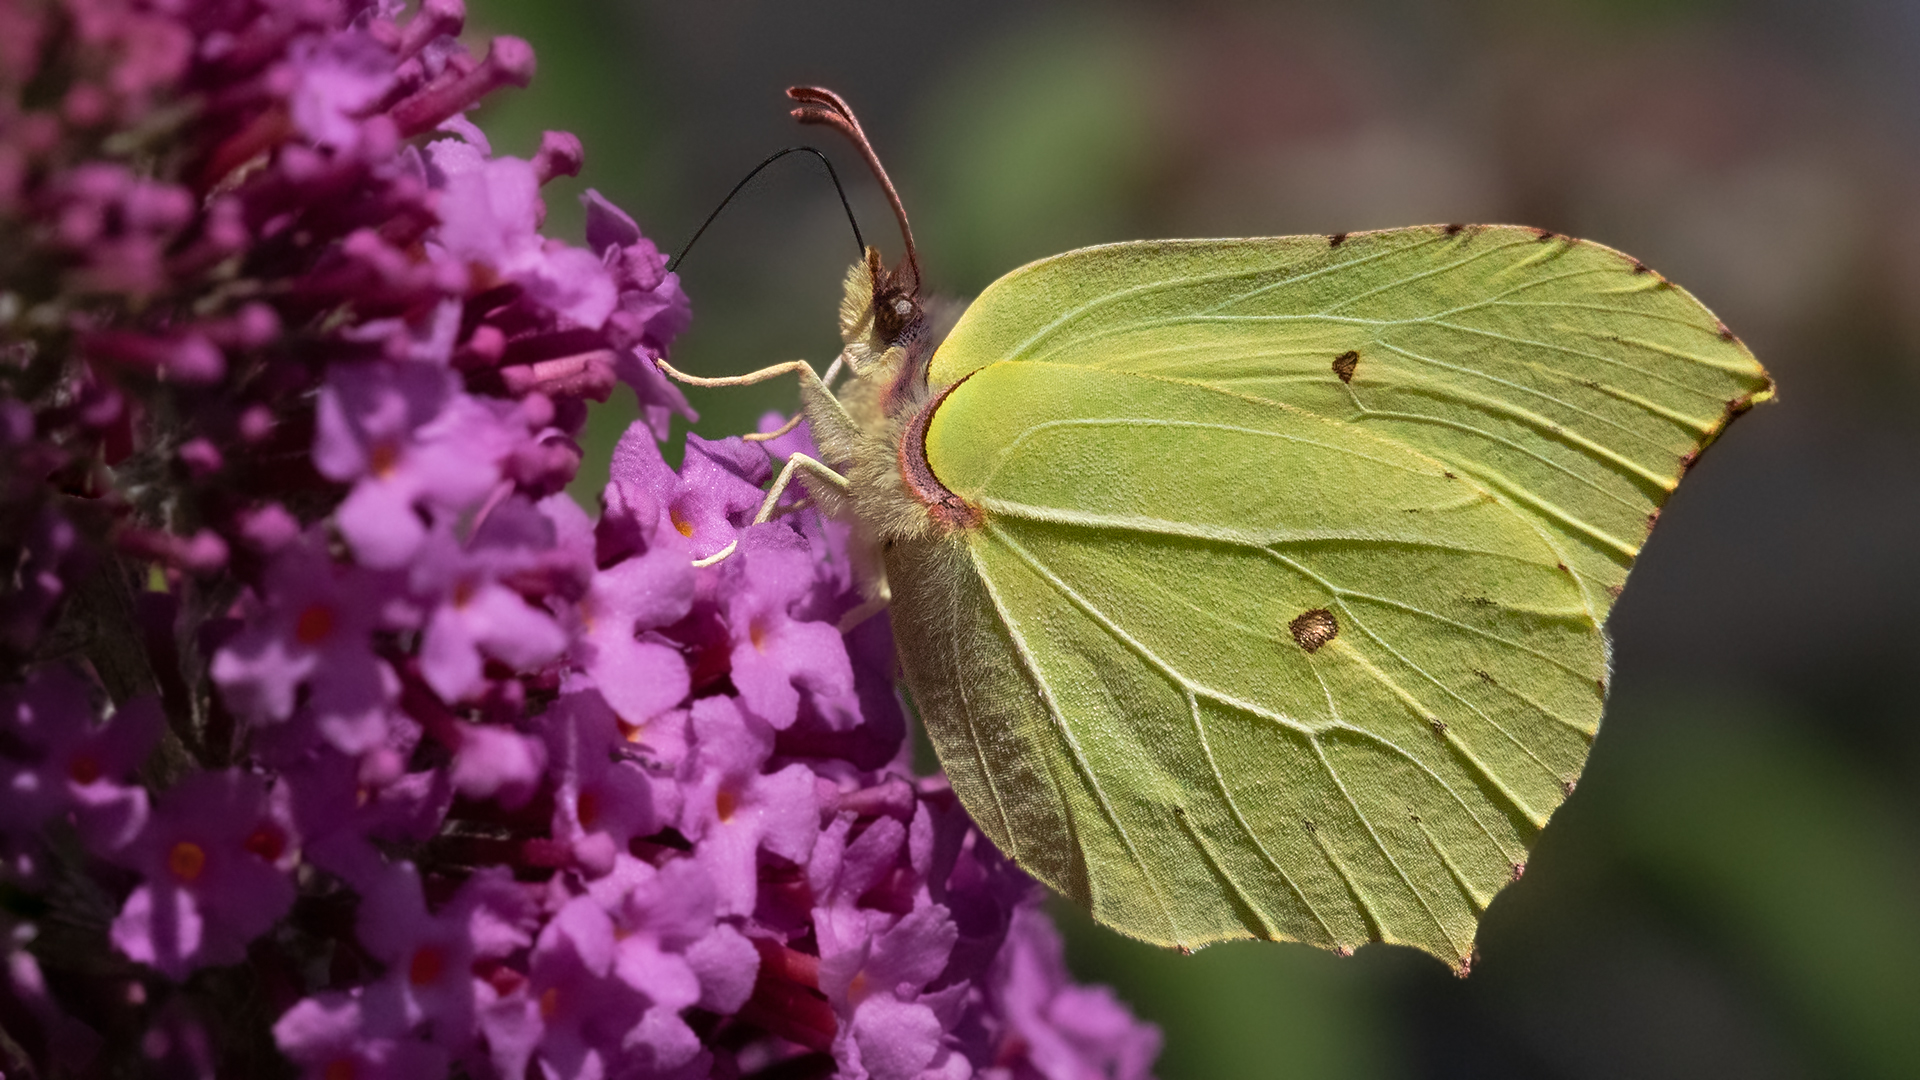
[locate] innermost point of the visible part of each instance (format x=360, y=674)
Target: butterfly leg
x=794, y=464
x=815, y=391
x=826, y=383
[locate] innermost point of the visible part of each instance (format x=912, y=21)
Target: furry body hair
x=859, y=431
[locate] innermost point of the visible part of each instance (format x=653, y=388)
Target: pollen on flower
x=549, y=1002
x=681, y=523
x=267, y=841
x=428, y=964
x=587, y=809
x=314, y=625
x=725, y=803
x=187, y=860
x=83, y=769
x=383, y=459
x=341, y=1069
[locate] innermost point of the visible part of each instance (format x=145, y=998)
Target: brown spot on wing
x=1452, y=230
x=1344, y=365
x=1737, y=406
x=1336, y=239
x=1312, y=629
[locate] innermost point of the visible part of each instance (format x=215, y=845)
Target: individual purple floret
x=430, y=957
x=313, y=630
x=330, y=723
x=338, y=1035
x=411, y=444
x=1063, y=1029
x=214, y=858
x=603, y=796
x=58, y=761
x=475, y=616
x=733, y=809
x=777, y=657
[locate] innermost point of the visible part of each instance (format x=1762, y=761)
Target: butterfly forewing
x=1569, y=379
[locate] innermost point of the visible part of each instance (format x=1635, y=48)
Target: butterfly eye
x=903, y=307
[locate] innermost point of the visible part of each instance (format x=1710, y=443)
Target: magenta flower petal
x=595, y=794
x=893, y=1039
x=732, y=810
x=316, y=617
x=493, y=763
x=775, y=657
x=1058, y=1028
x=334, y=1035
x=211, y=857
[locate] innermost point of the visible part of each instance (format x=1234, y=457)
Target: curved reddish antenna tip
x=818, y=105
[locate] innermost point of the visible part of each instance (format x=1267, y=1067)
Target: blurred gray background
x=1734, y=890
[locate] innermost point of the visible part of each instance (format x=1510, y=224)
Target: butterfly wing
x=1570, y=379
x=1249, y=645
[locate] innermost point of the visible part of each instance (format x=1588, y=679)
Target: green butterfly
x=1255, y=588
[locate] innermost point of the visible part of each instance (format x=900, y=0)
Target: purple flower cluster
x=334, y=736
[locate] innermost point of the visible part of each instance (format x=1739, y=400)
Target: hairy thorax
x=874, y=433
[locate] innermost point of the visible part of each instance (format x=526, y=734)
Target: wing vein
x=1045, y=690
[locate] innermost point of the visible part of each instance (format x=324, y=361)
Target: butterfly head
x=881, y=316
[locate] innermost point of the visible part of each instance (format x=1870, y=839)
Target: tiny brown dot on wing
x=1312, y=629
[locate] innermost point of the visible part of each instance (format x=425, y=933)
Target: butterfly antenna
x=819, y=105
x=858, y=240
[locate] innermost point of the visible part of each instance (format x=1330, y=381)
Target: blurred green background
x=1734, y=890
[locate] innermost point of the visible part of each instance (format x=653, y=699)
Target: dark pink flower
x=313, y=628
x=1056, y=1028
x=336, y=1035
x=70, y=762
x=775, y=655
x=214, y=857
x=408, y=440
x=430, y=986
x=490, y=213
x=601, y=799
x=474, y=616
x=732, y=809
